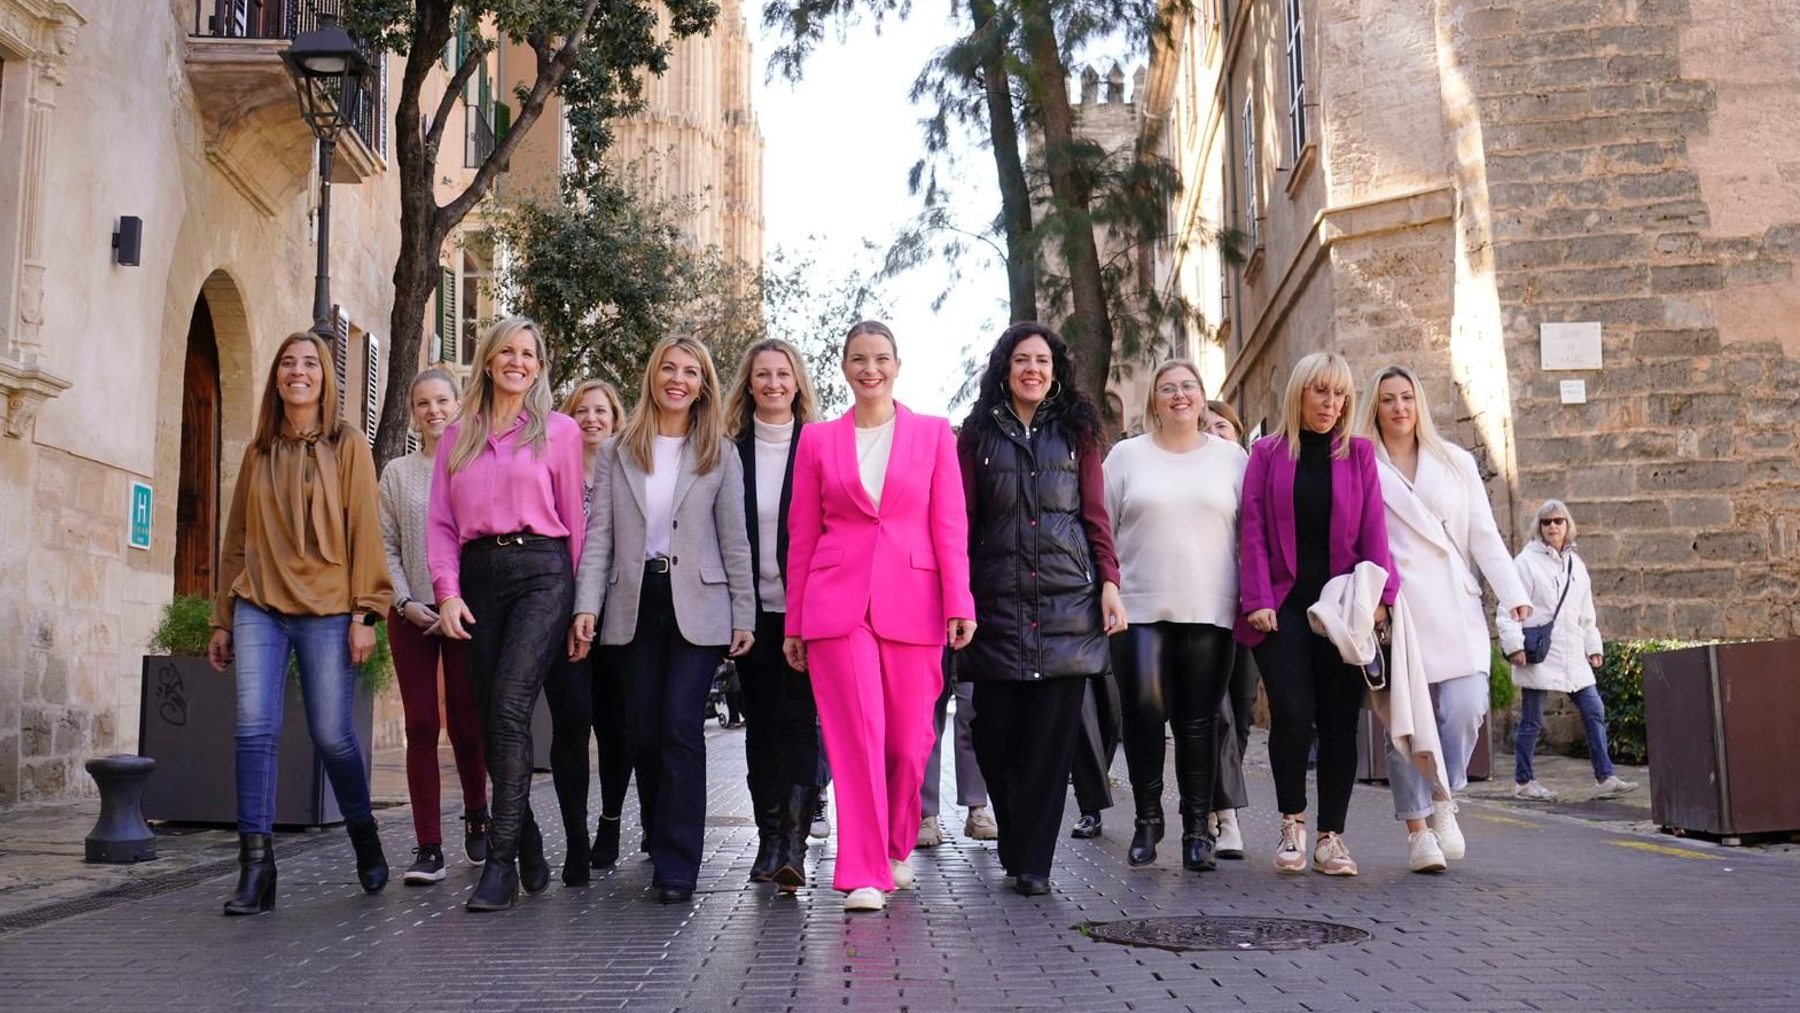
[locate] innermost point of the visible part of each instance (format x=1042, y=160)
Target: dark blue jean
x=1531, y=721
x=262, y=641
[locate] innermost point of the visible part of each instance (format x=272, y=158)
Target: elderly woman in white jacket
x=1440, y=531
x=1561, y=594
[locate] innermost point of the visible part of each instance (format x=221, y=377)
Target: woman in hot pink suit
x=878, y=579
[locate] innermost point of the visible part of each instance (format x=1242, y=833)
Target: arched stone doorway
x=197, y=493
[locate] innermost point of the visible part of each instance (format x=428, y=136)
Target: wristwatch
x=400, y=606
x=368, y=618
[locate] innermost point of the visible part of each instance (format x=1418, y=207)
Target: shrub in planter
x=1621, y=685
x=1501, y=691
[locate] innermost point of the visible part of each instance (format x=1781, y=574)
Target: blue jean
x=1531, y=721
x=262, y=641
x=1459, y=704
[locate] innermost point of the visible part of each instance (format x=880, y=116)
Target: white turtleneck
x=772, y=442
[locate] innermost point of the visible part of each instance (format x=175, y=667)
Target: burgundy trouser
x=416, y=660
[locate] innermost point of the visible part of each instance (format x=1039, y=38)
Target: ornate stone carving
x=23, y=389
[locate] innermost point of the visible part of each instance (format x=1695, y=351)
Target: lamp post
x=327, y=69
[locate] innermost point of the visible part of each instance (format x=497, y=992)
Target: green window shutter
x=447, y=316
x=502, y=121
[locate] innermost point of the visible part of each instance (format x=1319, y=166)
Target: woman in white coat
x=1561, y=594
x=1440, y=532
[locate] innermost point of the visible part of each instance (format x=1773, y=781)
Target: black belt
x=514, y=538
x=656, y=564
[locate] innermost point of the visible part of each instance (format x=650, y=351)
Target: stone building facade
x=1432, y=184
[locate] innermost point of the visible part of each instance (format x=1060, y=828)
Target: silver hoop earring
x=1055, y=390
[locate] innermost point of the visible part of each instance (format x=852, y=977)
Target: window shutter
x=340, y=353
x=371, y=387
x=448, y=331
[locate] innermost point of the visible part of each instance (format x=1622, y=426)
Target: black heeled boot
x=762, y=870
x=1197, y=847
x=534, y=869
x=578, y=867
x=256, y=876
x=371, y=864
x=796, y=822
x=605, y=852
x=498, y=889
x=1143, y=842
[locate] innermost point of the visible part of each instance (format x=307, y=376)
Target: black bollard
x=121, y=836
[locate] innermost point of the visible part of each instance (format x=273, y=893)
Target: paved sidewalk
x=1548, y=913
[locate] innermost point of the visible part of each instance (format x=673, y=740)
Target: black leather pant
x=781, y=724
x=588, y=697
x=522, y=597
x=1174, y=673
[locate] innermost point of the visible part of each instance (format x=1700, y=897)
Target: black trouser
x=1024, y=736
x=1175, y=673
x=1310, y=688
x=1235, y=718
x=781, y=724
x=666, y=681
x=522, y=597
x=588, y=696
x=1097, y=739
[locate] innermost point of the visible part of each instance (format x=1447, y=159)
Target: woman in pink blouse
x=506, y=530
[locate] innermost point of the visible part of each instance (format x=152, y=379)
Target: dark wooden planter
x=1371, y=749
x=1719, y=721
x=187, y=723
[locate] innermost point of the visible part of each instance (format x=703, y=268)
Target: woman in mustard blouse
x=301, y=573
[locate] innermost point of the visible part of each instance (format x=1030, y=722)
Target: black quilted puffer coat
x=1031, y=567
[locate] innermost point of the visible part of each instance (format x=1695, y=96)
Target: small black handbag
x=1537, y=638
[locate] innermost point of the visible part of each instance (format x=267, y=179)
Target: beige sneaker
x=980, y=825
x=865, y=898
x=903, y=873
x=931, y=833
x=1290, y=852
x=1613, y=787
x=1531, y=791
x=1331, y=857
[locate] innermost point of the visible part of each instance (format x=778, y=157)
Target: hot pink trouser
x=875, y=700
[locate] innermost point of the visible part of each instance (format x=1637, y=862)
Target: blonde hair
x=1368, y=420
x=273, y=410
x=1151, y=422
x=476, y=416
x=586, y=387
x=637, y=436
x=1554, y=508
x=1319, y=367
x=740, y=404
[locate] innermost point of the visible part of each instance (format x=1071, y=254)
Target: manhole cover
x=1203, y=932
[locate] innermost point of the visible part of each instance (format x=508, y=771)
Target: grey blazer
x=709, y=569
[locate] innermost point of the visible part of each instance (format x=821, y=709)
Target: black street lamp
x=327, y=69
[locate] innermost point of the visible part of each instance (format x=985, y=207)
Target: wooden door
x=197, y=496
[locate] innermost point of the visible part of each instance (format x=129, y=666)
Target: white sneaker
x=1613, y=787
x=1230, y=840
x=1533, y=792
x=1426, y=856
x=1449, y=834
x=865, y=898
x=931, y=833
x=1331, y=857
x=980, y=825
x=821, y=824
x=1290, y=852
x=903, y=874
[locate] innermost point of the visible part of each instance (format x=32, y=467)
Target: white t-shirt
x=873, y=446
x=772, y=443
x=659, y=496
x=1175, y=522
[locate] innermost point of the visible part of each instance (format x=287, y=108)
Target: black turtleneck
x=1312, y=517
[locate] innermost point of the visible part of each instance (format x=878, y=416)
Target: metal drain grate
x=1203, y=932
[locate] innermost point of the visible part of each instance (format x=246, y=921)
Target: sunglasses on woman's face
x=1558, y=521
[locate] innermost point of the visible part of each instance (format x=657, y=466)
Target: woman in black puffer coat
x=1046, y=585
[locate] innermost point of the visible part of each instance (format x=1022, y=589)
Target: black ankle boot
x=578, y=868
x=534, y=869
x=371, y=864
x=762, y=870
x=796, y=822
x=256, y=876
x=498, y=889
x=1197, y=847
x=605, y=851
x=1144, y=841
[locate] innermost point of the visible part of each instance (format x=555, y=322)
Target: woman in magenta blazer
x=1312, y=510
x=878, y=579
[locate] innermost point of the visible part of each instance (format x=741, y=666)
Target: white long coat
x=1577, y=633
x=1440, y=531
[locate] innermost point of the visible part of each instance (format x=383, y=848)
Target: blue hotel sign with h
x=140, y=515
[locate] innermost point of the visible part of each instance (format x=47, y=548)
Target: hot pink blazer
x=906, y=565
x=1266, y=539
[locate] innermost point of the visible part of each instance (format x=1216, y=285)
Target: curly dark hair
x=1076, y=412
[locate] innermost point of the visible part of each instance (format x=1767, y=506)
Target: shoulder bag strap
x=1568, y=581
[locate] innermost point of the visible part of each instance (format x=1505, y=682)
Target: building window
x=1252, y=235
x=1296, y=68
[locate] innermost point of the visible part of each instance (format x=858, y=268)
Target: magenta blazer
x=1266, y=565
x=906, y=565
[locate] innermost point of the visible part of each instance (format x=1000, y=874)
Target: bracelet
x=400, y=607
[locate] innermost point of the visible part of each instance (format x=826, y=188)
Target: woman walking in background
x=419, y=651
x=1312, y=511
x=587, y=697
x=771, y=401
x=506, y=529
x=1045, y=581
x=1562, y=595
x=669, y=488
x=1173, y=495
x=1236, y=712
x=878, y=580
x=1440, y=530
x=301, y=575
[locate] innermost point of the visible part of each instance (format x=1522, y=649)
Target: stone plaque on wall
x=1569, y=345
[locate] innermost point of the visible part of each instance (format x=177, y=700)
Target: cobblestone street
x=1547, y=913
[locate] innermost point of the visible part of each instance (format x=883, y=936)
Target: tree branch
x=458, y=81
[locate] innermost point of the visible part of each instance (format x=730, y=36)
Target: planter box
x=187, y=721
x=1720, y=725
x=1371, y=749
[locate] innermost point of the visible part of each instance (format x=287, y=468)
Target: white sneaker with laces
x=1424, y=852
x=865, y=898
x=1449, y=832
x=821, y=823
x=903, y=873
x=1230, y=839
x=1331, y=857
x=980, y=825
x=1533, y=792
x=1290, y=852
x=1613, y=787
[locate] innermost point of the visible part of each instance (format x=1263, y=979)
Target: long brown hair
x=706, y=426
x=273, y=410
x=476, y=416
x=740, y=404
